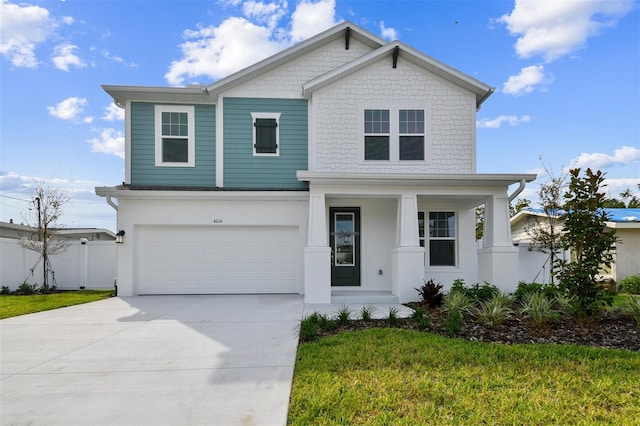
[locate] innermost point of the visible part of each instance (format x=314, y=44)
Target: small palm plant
x=633, y=306
x=538, y=307
x=367, y=313
x=494, y=311
x=343, y=315
x=456, y=304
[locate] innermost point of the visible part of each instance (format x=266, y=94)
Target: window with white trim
x=376, y=134
x=442, y=238
x=394, y=134
x=266, y=133
x=174, y=136
x=411, y=134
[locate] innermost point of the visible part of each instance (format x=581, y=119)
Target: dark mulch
x=613, y=330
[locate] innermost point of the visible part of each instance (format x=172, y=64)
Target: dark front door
x=345, y=246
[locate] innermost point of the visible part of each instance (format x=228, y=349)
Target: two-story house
x=344, y=166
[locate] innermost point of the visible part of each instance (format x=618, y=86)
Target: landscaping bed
x=614, y=330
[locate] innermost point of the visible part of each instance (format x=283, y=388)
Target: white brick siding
x=336, y=132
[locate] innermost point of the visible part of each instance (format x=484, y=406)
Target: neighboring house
x=17, y=231
x=342, y=168
x=625, y=221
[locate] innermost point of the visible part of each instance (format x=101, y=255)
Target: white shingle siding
x=286, y=81
x=336, y=132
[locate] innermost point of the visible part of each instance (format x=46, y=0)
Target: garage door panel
x=191, y=259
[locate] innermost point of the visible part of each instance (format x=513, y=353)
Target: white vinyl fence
x=534, y=266
x=91, y=265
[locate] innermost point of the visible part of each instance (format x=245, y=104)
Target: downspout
x=111, y=203
x=517, y=192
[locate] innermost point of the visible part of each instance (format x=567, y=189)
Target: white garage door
x=217, y=260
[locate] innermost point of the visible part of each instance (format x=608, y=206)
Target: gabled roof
x=334, y=33
x=481, y=90
x=345, y=30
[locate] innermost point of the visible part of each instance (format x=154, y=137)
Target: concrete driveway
x=151, y=360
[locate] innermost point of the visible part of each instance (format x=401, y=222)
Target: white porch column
x=408, y=256
x=317, y=253
x=498, y=258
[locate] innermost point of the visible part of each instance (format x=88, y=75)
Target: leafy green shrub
x=325, y=323
x=586, y=234
x=549, y=290
x=312, y=324
x=5, y=290
x=431, y=294
x=494, y=311
x=630, y=284
x=27, y=289
x=538, y=307
x=343, y=315
x=308, y=328
x=421, y=319
x=366, y=313
x=476, y=292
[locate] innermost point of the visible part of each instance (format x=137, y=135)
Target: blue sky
x=567, y=78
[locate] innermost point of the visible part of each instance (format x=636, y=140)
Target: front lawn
x=11, y=306
x=403, y=377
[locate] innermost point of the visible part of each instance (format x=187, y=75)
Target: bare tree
x=45, y=211
x=546, y=233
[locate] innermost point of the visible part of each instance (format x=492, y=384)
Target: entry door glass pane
x=344, y=239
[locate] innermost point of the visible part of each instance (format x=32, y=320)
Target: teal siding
x=143, y=169
x=241, y=168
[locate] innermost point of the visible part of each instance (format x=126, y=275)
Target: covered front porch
x=374, y=238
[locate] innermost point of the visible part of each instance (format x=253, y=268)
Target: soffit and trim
x=409, y=179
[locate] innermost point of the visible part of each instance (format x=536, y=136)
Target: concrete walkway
x=151, y=360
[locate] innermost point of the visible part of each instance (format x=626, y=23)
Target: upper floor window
x=411, y=139
x=376, y=134
x=266, y=133
x=394, y=134
x=175, y=136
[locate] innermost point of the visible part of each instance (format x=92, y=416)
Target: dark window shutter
x=266, y=135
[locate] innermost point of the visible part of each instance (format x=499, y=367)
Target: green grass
x=403, y=377
x=11, y=306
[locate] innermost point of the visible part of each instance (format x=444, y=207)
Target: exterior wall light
x=120, y=237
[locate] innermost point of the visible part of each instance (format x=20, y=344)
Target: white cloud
x=23, y=28
x=63, y=57
x=68, y=109
x=526, y=82
x=388, y=33
x=265, y=13
x=311, y=18
x=511, y=120
x=112, y=112
x=598, y=160
x=555, y=28
x=114, y=58
x=215, y=52
x=110, y=141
